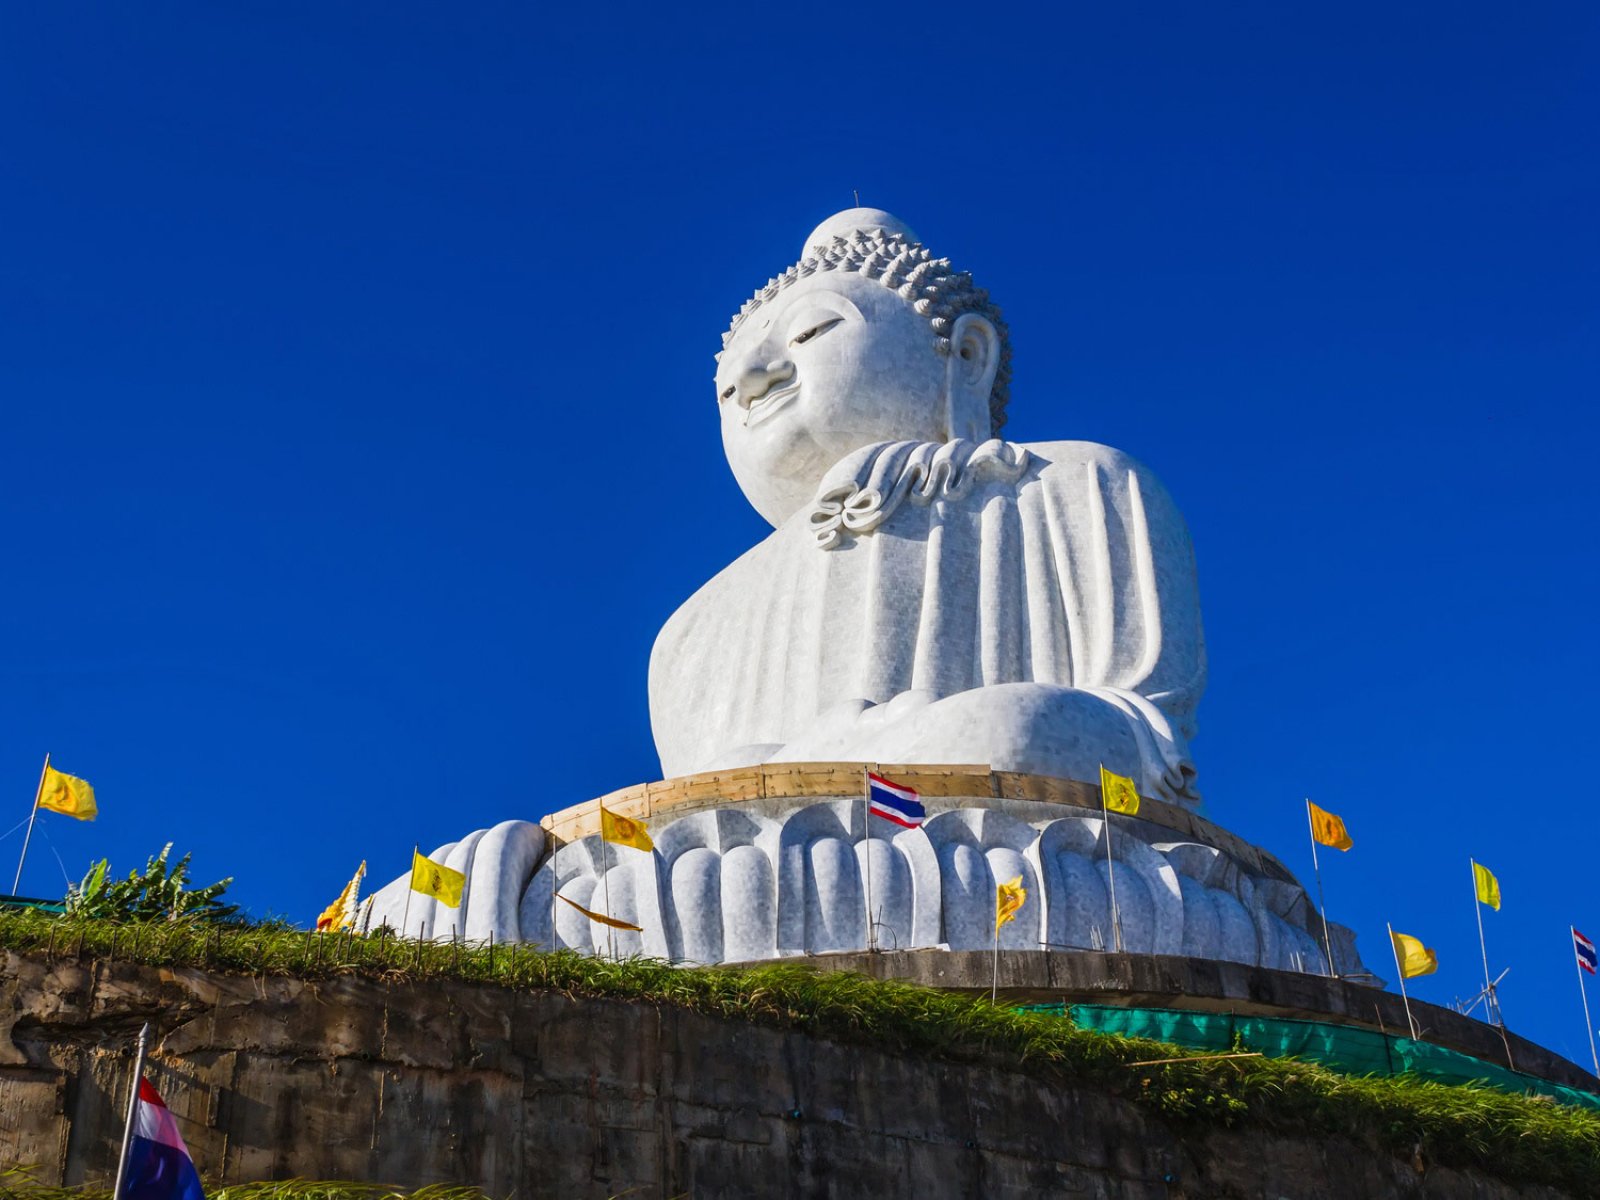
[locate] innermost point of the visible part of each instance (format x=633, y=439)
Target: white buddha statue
x=930, y=593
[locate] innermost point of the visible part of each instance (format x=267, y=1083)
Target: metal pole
x=1491, y=1003
x=866, y=849
x=133, y=1103
x=1111, y=870
x=1400, y=971
x=605, y=875
x=1322, y=904
x=1583, y=991
x=32, y=817
x=994, y=978
x=411, y=886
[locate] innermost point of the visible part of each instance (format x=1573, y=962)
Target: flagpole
x=1322, y=904
x=1400, y=971
x=994, y=978
x=32, y=817
x=605, y=875
x=133, y=1104
x=411, y=886
x=1111, y=870
x=1491, y=1006
x=866, y=849
x=1583, y=991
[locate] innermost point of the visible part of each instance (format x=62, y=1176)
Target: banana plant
x=157, y=893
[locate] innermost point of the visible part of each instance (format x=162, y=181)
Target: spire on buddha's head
x=878, y=245
x=853, y=221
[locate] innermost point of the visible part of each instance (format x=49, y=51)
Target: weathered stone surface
x=931, y=593
x=792, y=874
x=541, y=1095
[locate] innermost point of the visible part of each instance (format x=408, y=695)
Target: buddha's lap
x=1034, y=727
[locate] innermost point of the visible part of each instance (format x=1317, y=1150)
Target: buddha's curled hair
x=932, y=287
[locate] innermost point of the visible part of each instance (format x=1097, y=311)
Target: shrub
x=157, y=893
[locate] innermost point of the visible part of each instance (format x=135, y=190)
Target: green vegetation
x=156, y=893
x=1522, y=1139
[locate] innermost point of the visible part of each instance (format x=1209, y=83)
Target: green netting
x=1342, y=1048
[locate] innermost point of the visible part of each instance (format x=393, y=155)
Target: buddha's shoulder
x=1070, y=454
x=727, y=597
x=1069, y=463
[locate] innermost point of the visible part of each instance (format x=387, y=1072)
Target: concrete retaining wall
x=1206, y=985
x=536, y=1094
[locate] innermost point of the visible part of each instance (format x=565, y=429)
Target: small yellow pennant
x=67, y=795
x=1414, y=958
x=600, y=917
x=440, y=882
x=1119, y=793
x=1488, y=887
x=341, y=914
x=1328, y=829
x=624, y=831
x=1009, y=898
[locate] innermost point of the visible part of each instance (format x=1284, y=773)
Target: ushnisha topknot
x=932, y=287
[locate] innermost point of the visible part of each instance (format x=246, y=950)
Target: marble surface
x=498, y=864
x=868, y=338
x=1033, y=608
x=731, y=885
x=931, y=592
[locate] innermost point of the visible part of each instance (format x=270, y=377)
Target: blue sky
x=359, y=432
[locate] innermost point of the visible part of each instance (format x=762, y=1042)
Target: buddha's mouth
x=764, y=406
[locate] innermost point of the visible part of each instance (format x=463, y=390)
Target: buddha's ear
x=970, y=371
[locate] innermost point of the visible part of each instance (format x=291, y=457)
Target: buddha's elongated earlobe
x=970, y=371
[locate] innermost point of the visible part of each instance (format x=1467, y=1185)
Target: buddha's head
x=868, y=338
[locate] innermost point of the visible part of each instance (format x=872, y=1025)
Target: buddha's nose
x=756, y=382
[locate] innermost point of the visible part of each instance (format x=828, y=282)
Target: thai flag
x=1586, y=954
x=894, y=801
x=159, y=1166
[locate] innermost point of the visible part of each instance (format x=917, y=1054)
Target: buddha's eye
x=727, y=392
x=815, y=331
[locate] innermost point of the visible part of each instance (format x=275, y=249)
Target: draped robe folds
x=1030, y=607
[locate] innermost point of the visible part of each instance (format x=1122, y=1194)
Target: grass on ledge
x=1520, y=1139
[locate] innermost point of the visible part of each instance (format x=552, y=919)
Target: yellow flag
x=67, y=794
x=600, y=917
x=1008, y=898
x=341, y=914
x=1488, y=886
x=443, y=884
x=1415, y=958
x=624, y=831
x=1119, y=793
x=1328, y=829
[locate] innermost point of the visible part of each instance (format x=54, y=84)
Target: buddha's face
x=835, y=362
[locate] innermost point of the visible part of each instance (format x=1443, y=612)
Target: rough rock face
x=798, y=874
x=543, y=1095
x=732, y=885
